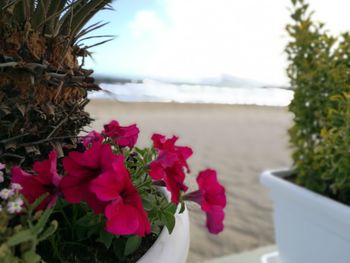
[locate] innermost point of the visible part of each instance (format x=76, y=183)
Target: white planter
x=309, y=228
x=171, y=248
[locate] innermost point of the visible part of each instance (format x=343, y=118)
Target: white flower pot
x=309, y=227
x=171, y=248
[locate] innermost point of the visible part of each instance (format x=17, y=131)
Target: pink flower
x=91, y=137
x=46, y=180
x=212, y=199
x=161, y=143
x=81, y=169
x=124, y=212
x=173, y=177
x=122, y=136
x=170, y=164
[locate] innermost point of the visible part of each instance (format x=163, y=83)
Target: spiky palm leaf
x=43, y=87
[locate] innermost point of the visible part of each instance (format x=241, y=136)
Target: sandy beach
x=238, y=141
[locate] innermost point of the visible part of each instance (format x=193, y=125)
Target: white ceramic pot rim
x=274, y=179
x=170, y=248
x=309, y=227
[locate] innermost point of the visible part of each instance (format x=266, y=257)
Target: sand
x=238, y=141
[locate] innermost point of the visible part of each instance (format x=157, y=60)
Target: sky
x=190, y=40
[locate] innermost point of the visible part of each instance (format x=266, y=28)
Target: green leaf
x=49, y=230
x=38, y=228
x=182, y=208
x=106, y=239
x=147, y=202
x=132, y=244
x=118, y=247
x=169, y=221
x=31, y=257
x=156, y=229
x=88, y=220
x=87, y=225
x=20, y=237
x=36, y=203
x=171, y=208
x=94, y=230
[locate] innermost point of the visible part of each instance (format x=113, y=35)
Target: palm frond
x=65, y=18
x=88, y=29
x=40, y=13
x=99, y=43
x=80, y=14
x=94, y=37
x=8, y=4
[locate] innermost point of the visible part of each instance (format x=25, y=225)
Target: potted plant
x=92, y=198
x=311, y=212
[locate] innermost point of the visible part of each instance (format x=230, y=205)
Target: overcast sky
x=195, y=39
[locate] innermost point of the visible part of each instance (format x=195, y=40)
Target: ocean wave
x=156, y=91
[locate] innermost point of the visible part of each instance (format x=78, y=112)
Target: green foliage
x=132, y=244
x=82, y=233
x=335, y=149
x=319, y=73
x=20, y=235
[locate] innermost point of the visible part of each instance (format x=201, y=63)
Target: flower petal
x=74, y=188
x=122, y=219
x=123, y=136
x=90, y=158
x=107, y=186
x=94, y=203
x=47, y=170
x=156, y=171
x=215, y=218
x=31, y=187
x=107, y=157
x=212, y=191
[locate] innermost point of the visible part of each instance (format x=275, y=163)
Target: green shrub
x=319, y=73
x=333, y=154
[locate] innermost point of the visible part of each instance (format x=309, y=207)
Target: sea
x=149, y=90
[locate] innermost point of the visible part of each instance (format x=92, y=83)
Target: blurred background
x=213, y=73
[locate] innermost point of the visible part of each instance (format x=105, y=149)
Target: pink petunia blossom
x=212, y=199
x=46, y=180
x=169, y=166
x=81, y=169
x=173, y=177
x=91, y=137
x=161, y=143
x=124, y=211
x=122, y=136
